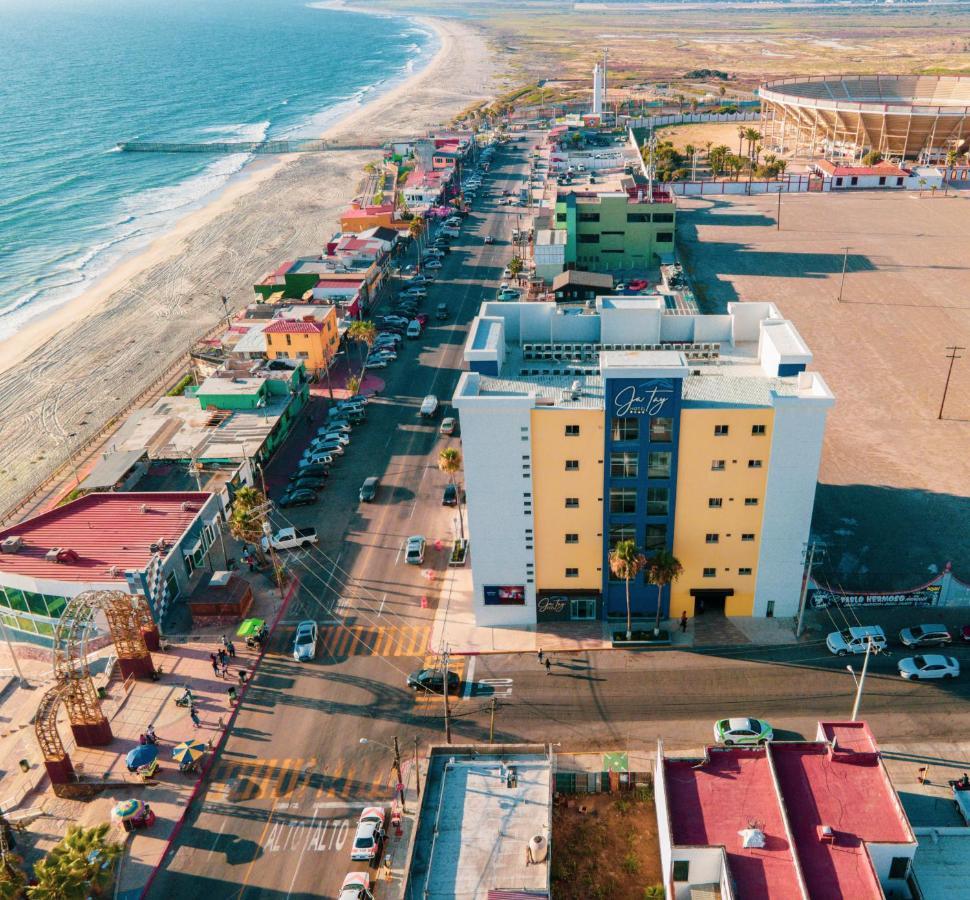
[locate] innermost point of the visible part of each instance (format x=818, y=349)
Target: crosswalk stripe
x=385, y=644
x=376, y=640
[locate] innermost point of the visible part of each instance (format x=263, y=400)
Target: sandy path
x=75, y=370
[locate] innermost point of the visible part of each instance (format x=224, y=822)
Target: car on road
x=441, y=312
x=368, y=490
x=375, y=364
x=433, y=681
x=856, y=639
x=291, y=538
x=449, y=496
x=336, y=424
x=925, y=636
x=742, y=731
x=310, y=471
x=333, y=434
x=297, y=496
x=927, y=666
x=414, y=329
x=356, y=886
x=433, y=264
x=370, y=834
x=448, y=425
x=414, y=550
x=309, y=483
x=422, y=318
x=509, y=295
x=489, y=239
x=506, y=272
x=305, y=641
x=429, y=406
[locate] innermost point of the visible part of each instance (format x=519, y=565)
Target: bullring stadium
x=905, y=117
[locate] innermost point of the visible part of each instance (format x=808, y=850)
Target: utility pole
x=417, y=773
x=778, y=216
x=447, y=707
x=860, y=684
x=845, y=263
x=268, y=532
x=397, y=770
x=491, y=722
x=953, y=357
x=800, y=622
x=225, y=306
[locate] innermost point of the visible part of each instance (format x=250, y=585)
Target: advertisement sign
x=552, y=609
x=820, y=598
x=504, y=595
x=655, y=397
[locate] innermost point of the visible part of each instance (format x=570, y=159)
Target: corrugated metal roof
x=104, y=530
x=736, y=391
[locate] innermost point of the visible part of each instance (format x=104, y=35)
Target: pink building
x=817, y=820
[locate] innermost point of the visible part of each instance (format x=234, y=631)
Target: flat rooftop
x=104, y=530
x=942, y=862
x=711, y=804
x=474, y=829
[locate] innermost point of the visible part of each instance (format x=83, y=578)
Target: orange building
x=362, y=218
x=312, y=340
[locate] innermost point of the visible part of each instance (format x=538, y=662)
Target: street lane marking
x=292, y=780
x=470, y=678
x=378, y=640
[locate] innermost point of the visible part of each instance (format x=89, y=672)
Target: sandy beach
x=72, y=371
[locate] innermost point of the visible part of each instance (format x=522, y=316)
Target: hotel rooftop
x=818, y=820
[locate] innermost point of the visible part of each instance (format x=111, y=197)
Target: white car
x=375, y=364
x=856, y=639
x=305, y=641
x=333, y=447
x=335, y=426
x=432, y=264
x=414, y=550
x=433, y=251
x=370, y=834
x=506, y=273
x=325, y=434
x=317, y=457
x=930, y=665
x=356, y=886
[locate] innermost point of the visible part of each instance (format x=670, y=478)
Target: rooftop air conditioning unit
x=52, y=554
x=187, y=506
x=11, y=544
x=144, y=507
x=114, y=571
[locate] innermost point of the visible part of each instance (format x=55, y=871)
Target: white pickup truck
x=291, y=538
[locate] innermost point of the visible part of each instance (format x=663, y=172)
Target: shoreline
x=163, y=246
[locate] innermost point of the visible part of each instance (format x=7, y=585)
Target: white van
x=856, y=639
x=414, y=329
x=429, y=406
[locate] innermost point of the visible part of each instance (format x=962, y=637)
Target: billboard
x=504, y=594
x=820, y=598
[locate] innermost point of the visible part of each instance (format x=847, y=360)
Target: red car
x=965, y=632
x=422, y=318
x=638, y=284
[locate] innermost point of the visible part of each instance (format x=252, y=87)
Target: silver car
x=305, y=641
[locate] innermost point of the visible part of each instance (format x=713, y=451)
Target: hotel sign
x=645, y=399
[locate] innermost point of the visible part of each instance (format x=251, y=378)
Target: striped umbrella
x=189, y=751
x=127, y=809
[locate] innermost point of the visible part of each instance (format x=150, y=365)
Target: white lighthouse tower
x=598, y=78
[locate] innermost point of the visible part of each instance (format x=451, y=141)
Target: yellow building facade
x=312, y=340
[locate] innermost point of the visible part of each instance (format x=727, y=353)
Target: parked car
x=414, y=329
x=309, y=483
x=925, y=636
x=432, y=264
x=291, y=538
x=310, y=471
x=356, y=886
x=336, y=424
x=383, y=353
x=441, y=312
x=368, y=490
x=509, y=295
x=919, y=668
x=375, y=364
x=965, y=633
x=314, y=456
x=305, y=641
x=414, y=550
x=334, y=448
x=506, y=272
x=742, y=731
x=333, y=434
x=450, y=496
x=296, y=496
x=370, y=834
x=433, y=681
x=489, y=239
x=856, y=639
x=448, y=425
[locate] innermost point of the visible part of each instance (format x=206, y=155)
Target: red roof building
x=294, y=326
x=835, y=170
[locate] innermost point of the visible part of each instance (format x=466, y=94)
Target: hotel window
x=662, y=430
x=638, y=217
x=714, y=502
x=572, y=503
x=572, y=573
x=754, y=463
x=720, y=430
x=711, y=537
x=658, y=463
x=747, y=536
x=560, y=217
x=281, y=354
x=626, y=429
x=588, y=217
x=658, y=501
x=572, y=431
x=572, y=465
x=655, y=538
x=622, y=533
x=757, y=429
x=665, y=237
x=744, y=570
x=750, y=501
x=623, y=500
x=663, y=217
x=717, y=465
x=572, y=538
x=710, y=572
x=624, y=465
x=588, y=238
x=302, y=354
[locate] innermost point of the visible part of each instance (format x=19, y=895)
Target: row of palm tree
x=661, y=569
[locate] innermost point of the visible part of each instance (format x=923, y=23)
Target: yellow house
x=312, y=340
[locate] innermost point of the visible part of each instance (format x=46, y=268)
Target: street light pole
x=860, y=684
x=845, y=263
x=800, y=623
x=417, y=774
x=447, y=708
x=954, y=356
x=397, y=769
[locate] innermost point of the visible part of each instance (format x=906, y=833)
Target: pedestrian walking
x=194, y=715
x=231, y=647
x=225, y=668
x=242, y=676
x=223, y=657
x=539, y=655
x=683, y=622
x=215, y=664
x=548, y=665
x=224, y=641
x=232, y=696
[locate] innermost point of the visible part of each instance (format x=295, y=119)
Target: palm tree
x=626, y=562
x=416, y=231
x=363, y=332
x=662, y=568
x=742, y=133
x=247, y=517
x=80, y=866
x=353, y=384
x=13, y=879
x=751, y=135
x=449, y=462
x=735, y=164
x=515, y=266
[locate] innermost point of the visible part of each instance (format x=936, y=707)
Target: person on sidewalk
x=225, y=668
x=243, y=677
x=232, y=696
x=548, y=666
x=194, y=716
x=215, y=664
x=539, y=655
x=231, y=647
x=224, y=641
x=683, y=622
x=223, y=657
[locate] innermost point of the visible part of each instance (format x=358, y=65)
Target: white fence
x=790, y=184
x=692, y=119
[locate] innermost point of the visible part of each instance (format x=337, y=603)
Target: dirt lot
x=716, y=132
x=892, y=503
x=610, y=850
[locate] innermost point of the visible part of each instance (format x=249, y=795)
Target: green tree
x=13, y=879
x=246, y=519
x=663, y=568
x=752, y=136
x=365, y=333
x=734, y=164
x=449, y=462
x=626, y=562
x=515, y=266
x=873, y=157
x=717, y=159
x=80, y=866
x=742, y=133
x=353, y=384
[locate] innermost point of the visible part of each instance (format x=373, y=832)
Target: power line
x=953, y=357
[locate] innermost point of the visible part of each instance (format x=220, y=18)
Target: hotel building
x=583, y=427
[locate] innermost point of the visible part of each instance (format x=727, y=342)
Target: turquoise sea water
x=81, y=75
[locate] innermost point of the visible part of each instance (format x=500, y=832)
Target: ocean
x=80, y=76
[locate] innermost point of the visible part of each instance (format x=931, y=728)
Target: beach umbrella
x=249, y=627
x=189, y=751
x=127, y=809
x=142, y=755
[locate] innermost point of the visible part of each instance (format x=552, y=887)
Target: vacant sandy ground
x=113, y=342
x=894, y=484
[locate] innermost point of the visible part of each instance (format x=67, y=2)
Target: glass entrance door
x=583, y=608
